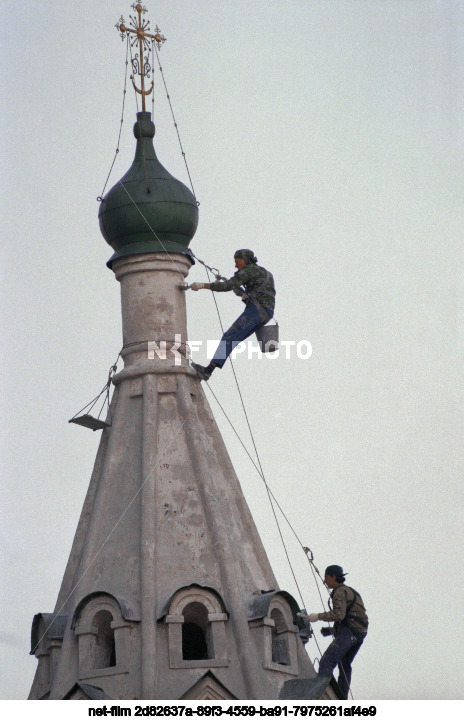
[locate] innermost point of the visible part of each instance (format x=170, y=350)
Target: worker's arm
x=239, y=278
x=339, y=603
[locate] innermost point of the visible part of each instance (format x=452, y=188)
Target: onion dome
x=148, y=210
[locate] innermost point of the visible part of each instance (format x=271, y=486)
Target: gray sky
x=328, y=136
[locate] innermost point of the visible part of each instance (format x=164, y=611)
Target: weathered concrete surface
x=165, y=510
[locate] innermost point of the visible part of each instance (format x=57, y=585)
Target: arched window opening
x=280, y=652
x=105, y=649
x=196, y=621
x=196, y=640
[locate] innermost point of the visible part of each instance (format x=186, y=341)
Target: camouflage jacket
x=356, y=619
x=257, y=281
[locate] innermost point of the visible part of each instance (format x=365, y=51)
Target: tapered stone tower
x=168, y=592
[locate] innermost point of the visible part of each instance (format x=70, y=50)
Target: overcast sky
x=328, y=136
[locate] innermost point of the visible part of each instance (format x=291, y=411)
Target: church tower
x=168, y=592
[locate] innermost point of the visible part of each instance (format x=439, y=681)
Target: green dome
x=135, y=218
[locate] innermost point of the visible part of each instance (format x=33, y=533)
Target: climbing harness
x=360, y=635
x=271, y=333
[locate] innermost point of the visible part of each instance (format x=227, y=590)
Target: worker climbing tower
x=168, y=592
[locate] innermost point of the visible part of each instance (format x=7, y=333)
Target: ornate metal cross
x=139, y=29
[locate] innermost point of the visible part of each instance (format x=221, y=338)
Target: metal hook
x=308, y=550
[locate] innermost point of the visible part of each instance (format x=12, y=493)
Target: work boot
x=202, y=372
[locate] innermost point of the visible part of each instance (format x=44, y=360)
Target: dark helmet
x=247, y=254
x=334, y=571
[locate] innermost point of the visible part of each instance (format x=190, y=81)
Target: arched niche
x=196, y=621
x=46, y=640
x=105, y=637
x=272, y=622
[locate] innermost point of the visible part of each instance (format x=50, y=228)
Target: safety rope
x=260, y=470
x=307, y=550
x=100, y=197
x=174, y=120
x=153, y=91
x=272, y=497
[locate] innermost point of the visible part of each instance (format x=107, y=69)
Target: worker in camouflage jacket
x=350, y=627
x=255, y=285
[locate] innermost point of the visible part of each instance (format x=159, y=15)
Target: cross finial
x=140, y=34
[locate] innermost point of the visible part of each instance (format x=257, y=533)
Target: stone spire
x=168, y=592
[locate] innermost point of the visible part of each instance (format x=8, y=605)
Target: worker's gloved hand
x=313, y=617
x=197, y=286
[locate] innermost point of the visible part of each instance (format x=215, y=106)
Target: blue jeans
x=341, y=652
x=244, y=326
